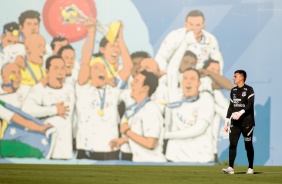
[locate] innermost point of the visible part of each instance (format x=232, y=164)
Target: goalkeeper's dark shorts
x=236, y=131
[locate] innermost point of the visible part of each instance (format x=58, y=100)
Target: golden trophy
x=73, y=15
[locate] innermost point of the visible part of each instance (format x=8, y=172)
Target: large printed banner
x=130, y=82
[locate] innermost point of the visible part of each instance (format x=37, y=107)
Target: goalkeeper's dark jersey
x=242, y=98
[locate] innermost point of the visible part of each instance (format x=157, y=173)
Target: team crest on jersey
x=244, y=93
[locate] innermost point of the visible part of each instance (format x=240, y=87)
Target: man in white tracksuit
x=213, y=82
x=159, y=97
x=97, y=102
x=177, y=64
x=198, y=40
x=12, y=92
x=97, y=117
x=54, y=103
x=72, y=68
x=190, y=138
x=143, y=123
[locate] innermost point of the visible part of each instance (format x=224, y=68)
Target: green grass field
x=20, y=174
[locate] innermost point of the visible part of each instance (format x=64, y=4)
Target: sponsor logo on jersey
x=244, y=93
x=239, y=105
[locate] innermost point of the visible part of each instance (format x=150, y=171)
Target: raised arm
x=221, y=82
x=125, y=56
x=30, y=124
x=176, y=59
x=168, y=47
x=87, y=51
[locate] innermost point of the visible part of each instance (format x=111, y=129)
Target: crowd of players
x=111, y=105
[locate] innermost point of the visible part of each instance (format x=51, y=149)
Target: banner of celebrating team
x=105, y=81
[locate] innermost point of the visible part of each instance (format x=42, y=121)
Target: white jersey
x=190, y=139
x=221, y=103
x=173, y=74
x=206, y=84
x=147, y=122
x=40, y=103
x=15, y=99
x=160, y=96
x=125, y=96
x=72, y=80
x=9, y=54
x=177, y=52
x=207, y=48
x=169, y=47
x=74, y=76
x=221, y=107
x=94, y=131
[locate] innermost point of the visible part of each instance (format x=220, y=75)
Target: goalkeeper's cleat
x=250, y=171
x=228, y=170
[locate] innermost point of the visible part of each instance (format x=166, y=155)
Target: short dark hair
x=140, y=54
x=242, y=72
x=29, y=14
x=151, y=80
x=62, y=49
x=190, y=53
x=195, y=13
x=57, y=39
x=49, y=60
x=10, y=27
x=193, y=69
x=103, y=43
x=208, y=62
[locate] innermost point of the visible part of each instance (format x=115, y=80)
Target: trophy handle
x=73, y=15
x=102, y=28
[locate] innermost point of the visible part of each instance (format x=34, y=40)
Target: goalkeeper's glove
x=226, y=124
x=237, y=115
